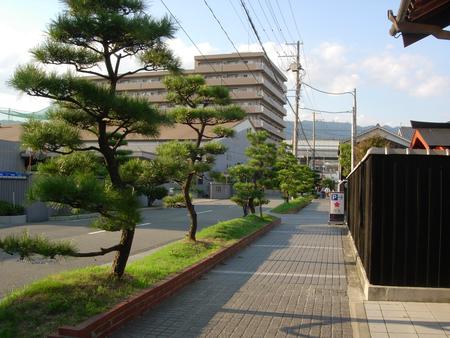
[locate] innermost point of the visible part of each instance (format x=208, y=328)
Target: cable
x=326, y=111
x=274, y=17
x=240, y=19
x=284, y=21
x=189, y=37
x=295, y=21
x=324, y=91
x=267, y=56
x=231, y=41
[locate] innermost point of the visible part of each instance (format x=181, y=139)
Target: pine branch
x=103, y=251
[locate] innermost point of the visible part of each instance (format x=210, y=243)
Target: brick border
x=107, y=322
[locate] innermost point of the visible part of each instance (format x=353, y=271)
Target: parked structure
x=430, y=135
x=255, y=84
x=405, y=132
x=418, y=19
x=395, y=140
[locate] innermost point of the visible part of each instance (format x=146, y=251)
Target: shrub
x=156, y=193
x=175, y=201
x=8, y=209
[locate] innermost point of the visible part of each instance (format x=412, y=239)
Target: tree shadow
x=251, y=287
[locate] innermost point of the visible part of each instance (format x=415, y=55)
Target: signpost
x=337, y=208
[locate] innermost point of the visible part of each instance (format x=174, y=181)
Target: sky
x=345, y=45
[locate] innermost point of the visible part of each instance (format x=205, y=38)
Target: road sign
x=337, y=208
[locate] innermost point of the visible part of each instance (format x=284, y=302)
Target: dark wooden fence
x=398, y=213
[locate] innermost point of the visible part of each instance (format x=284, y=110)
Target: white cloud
x=328, y=68
x=186, y=52
x=413, y=74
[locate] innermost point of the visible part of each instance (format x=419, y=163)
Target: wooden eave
x=416, y=19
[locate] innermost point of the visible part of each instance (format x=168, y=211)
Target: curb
x=105, y=323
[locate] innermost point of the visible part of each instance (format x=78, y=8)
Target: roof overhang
x=416, y=19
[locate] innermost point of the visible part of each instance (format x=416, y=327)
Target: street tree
x=292, y=177
x=360, y=151
x=206, y=110
x=95, y=38
x=257, y=174
x=345, y=155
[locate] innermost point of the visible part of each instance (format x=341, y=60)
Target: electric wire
x=327, y=111
x=246, y=28
x=189, y=37
x=324, y=91
x=274, y=17
x=231, y=41
x=265, y=52
x=284, y=21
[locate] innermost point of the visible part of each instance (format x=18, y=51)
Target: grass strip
x=71, y=297
x=293, y=206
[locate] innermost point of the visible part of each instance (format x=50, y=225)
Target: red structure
x=430, y=135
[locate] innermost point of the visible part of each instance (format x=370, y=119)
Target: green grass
x=293, y=205
x=70, y=297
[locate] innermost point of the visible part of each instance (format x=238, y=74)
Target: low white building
x=324, y=159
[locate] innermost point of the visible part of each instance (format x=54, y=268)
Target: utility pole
x=314, y=142
x=354, y=126
x=296, y=67
x=297, y=99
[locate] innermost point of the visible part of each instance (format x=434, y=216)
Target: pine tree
x=205, y=109
x=257, y=175
x=293, y=178
x=95, y=37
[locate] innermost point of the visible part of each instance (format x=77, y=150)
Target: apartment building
x=255, y=84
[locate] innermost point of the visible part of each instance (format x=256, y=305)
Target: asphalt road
x=157, y=228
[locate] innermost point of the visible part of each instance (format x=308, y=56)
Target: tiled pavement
x=290, y=282
x=408, y=319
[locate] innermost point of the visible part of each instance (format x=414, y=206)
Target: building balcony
x=261, y=124
x=139, y=85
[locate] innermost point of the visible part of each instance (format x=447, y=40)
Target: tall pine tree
x=205, y=109
x=96, y=38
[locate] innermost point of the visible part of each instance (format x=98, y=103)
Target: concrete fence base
x=396, y=293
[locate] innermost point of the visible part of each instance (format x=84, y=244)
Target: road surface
x=157, y=228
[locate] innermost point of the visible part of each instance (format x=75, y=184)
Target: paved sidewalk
x=408, y=319
x=290, y=282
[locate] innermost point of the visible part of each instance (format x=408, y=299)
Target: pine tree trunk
x=120, y=261
x=251, y=205
x=191, y=209
x=245, y=209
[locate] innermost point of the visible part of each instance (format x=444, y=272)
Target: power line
x=240, y=19
x=295, y=20
x=272, y=13
x=326, y=92
x=267, y=56
x=189, y=37
x=327, y=111
x=231, y=41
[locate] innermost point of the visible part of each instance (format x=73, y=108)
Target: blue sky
x=345, y=45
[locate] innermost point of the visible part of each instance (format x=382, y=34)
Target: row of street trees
x=97, y=38
x=268, y=167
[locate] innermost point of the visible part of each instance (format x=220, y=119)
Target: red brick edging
x=107, y=322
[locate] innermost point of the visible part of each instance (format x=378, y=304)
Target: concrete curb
x=103, y=324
